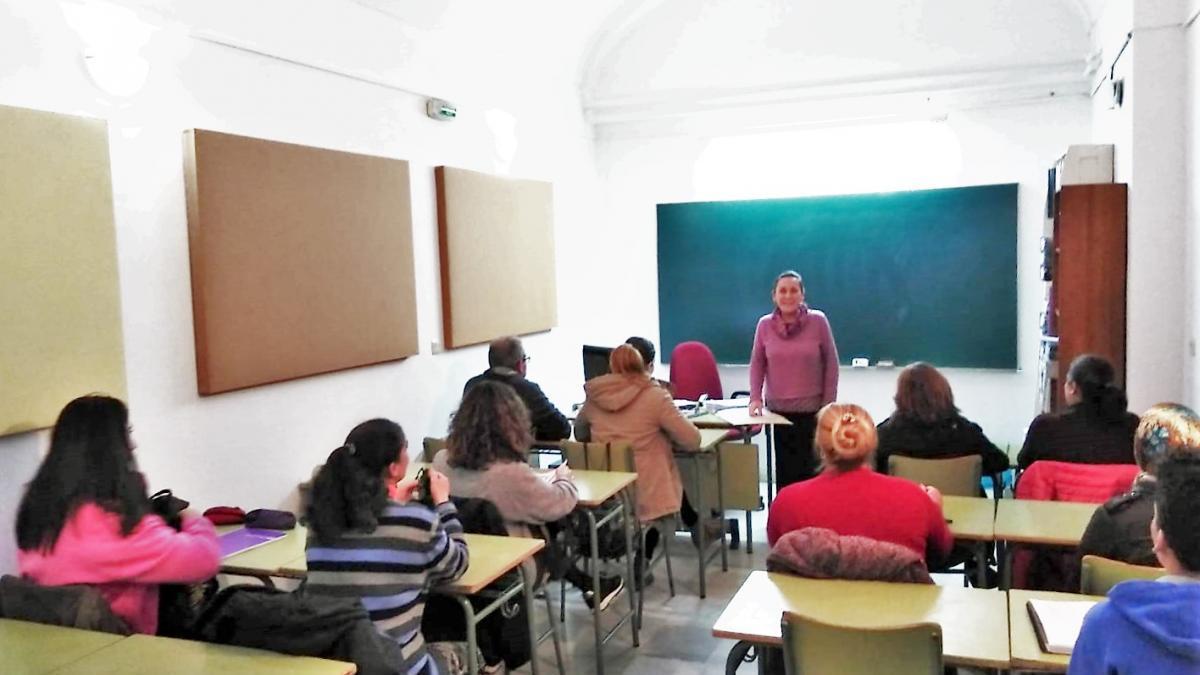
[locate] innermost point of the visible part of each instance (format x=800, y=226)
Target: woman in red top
x=849, y=498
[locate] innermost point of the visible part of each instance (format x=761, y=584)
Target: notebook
x=245, y=539
x=1058, y=622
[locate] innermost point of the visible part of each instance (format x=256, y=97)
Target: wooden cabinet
x=1087, y=288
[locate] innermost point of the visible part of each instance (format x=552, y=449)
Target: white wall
x=1192, y=196
x=1147, y=131
x=250, y=448
x=1006, y=144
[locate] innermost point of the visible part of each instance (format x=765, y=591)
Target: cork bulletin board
x=301, y=260
x=59, y=290
x=496, y=240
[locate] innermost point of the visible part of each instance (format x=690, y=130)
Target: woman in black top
x=927, y=425
x=1095, y=428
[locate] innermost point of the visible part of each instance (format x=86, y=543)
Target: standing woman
x=794, y=355
x=85, y=519
x=1096, y=428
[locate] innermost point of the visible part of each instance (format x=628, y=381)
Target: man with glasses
x=507, y=363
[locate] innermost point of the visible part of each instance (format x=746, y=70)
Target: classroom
x=621, y=105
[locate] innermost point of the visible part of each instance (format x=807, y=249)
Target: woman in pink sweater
x=794, y=355
x=85, y=518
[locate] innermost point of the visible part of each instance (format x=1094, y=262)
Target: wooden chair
x=1098, y=575
x=739, y=482
x=430, y=447
x=811, y=647
x=957, y=476
x=598, y=456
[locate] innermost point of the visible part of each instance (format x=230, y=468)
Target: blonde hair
x=1166, y=430
x=845, y=436
x=625, y=360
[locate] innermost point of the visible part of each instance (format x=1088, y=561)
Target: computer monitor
x=595, y=361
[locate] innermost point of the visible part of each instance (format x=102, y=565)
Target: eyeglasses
x=525, y=359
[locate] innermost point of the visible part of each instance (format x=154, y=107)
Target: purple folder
x=246, y=539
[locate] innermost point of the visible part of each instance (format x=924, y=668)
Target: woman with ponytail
x=1095, y=428
x=369, y=536
x=848, y=497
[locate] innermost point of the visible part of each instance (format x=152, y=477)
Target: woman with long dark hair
x=85, y=518
x=369, y=538
x=1095, y=428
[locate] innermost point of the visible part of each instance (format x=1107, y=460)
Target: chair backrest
x=694, y=371
x=1098, y=575
x=598, y=456
x=815, y=648
x=430, y=447
x=1071, y=482
x=957, y=476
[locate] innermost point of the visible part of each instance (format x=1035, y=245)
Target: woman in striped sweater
x=379, y=543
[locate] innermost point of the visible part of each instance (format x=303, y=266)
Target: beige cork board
x=59, y=291
x=301, y=260
x=496, y=241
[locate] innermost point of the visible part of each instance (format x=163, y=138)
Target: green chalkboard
x=929, y=275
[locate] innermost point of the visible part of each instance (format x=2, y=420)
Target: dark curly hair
x=491, y=425
x=349, y=491
x=1177, y=507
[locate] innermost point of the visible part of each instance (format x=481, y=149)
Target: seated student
x=927, y=425
x=1153, y=627
x=85, y=519
x=1120, y=528
x=1095, y=429
x=508, y=363
x=848, y=497
x=625, y=406
x=487, y=457
x=388, y=551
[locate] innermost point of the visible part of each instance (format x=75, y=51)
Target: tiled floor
x=677, y=635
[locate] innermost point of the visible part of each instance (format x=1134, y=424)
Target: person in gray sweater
x=487, y=457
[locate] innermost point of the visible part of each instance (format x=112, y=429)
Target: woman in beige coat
x=626, y=406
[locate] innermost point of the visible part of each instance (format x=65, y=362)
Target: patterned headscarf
x=1165, y=429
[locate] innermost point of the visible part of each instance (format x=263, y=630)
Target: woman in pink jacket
x=85, y=519
x=795, y=356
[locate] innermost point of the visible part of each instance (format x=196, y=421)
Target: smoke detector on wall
x=438, y=109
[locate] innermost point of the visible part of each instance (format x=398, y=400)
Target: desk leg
x=1006, y=561
x=472, y=639
x=770, y=464
x=628, y=518
x=981, y=564
x=721, y=508
x=703, y=513
x=594, y=570
x=527, y=584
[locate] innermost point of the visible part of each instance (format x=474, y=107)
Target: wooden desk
x=693, y=472
x=266, y=561
x=1031, y=521
x=742, y=419
x=138, y=654
x=974, y=621
x=972, y=519
x=34, y=649
x=1027, y=654
x=596, y=489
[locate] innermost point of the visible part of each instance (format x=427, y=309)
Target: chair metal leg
x=558, y=656
x=749, y=533
x=666, y=544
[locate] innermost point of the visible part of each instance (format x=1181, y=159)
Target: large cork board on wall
x=302, y=260
x=60, y=298
x=496, y=237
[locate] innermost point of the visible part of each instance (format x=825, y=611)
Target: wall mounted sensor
x=440, y=110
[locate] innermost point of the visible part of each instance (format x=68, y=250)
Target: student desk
x=34, y=649
x=1027, y=654
x=1032, y=521
x=974, y=621
x=695, y=466
x=138, y=654
x=743, y=420
x=595, y=489
x=491, y=557
x=972, y=519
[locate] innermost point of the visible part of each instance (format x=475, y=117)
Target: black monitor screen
x=595, y=361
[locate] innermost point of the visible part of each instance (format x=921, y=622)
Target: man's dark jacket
x=548, y=423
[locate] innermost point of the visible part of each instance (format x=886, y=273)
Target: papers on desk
x=711, y=405
x=245, y=539
x=1058, y=622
